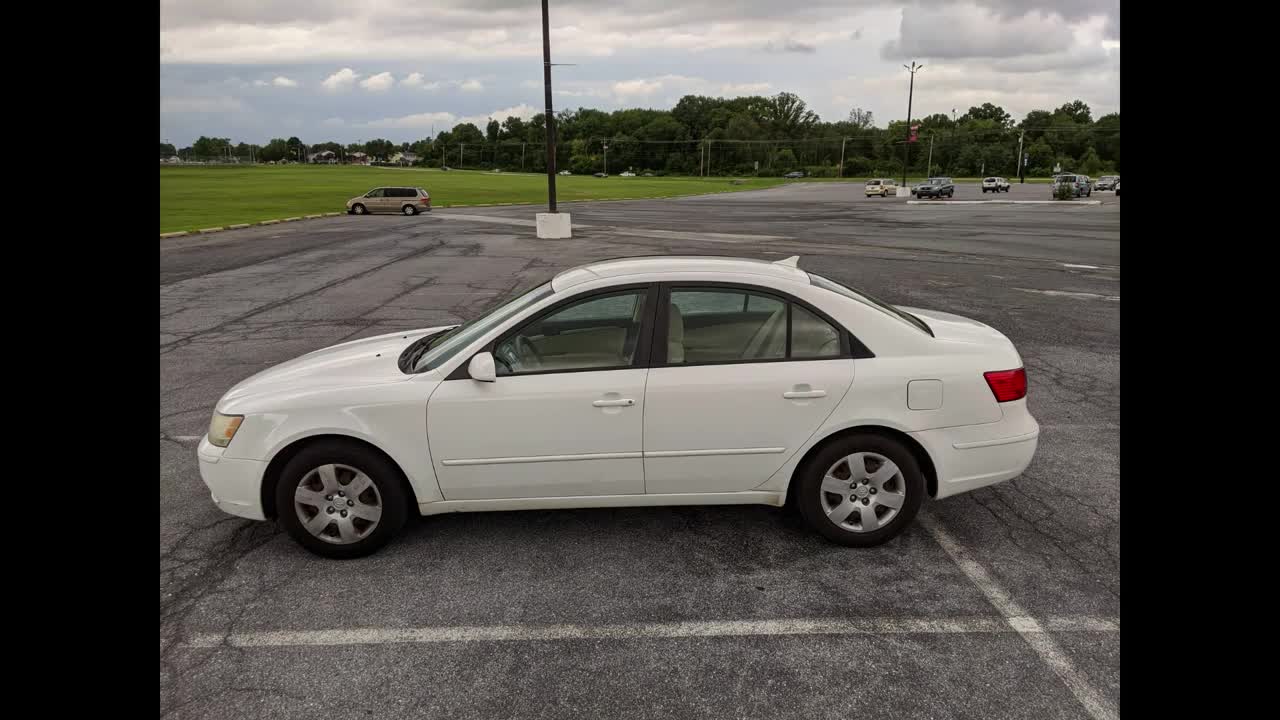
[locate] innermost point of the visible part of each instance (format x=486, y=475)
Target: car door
x=742, y=377
x=374, y=199
x=565, y=415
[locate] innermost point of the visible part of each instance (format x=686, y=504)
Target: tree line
x=743, y=136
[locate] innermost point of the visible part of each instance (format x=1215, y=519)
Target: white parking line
x=635, y=631
x=1097, y=706
x=1086, y=267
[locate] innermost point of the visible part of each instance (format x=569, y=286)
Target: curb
x=210, y=230
x=173, y=234
x=291, y=219
x=241, y=226
x=312, y=217
x=238, y=226
x=268, y=222
x=1004, y=202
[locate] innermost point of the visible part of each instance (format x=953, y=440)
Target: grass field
x=199, y=197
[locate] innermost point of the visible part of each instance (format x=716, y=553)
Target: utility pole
x=930, y=171
x=460, y=146
x=842, y=142
x=551, y=118
x=522, y=156
x=906, y=145
x=606, y=158
x=1021, y=163
x=702, y=149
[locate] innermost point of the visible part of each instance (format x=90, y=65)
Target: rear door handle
x=625, y=402
x=802, y=394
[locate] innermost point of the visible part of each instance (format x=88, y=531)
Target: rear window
x=990, y=180
x=872, y=182
x=862, y=297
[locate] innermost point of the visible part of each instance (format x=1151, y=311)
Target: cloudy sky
x=349, y=71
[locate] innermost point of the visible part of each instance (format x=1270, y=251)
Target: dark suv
x=936, y=187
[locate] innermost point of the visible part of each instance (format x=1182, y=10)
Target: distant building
x=404, y=158
x=325, y=156
x=359, y=158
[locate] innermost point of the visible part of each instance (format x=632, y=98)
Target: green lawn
x=200, y=197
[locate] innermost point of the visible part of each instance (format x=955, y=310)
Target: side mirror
x=482, y=369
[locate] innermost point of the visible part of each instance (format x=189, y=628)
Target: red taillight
x=1007, y=385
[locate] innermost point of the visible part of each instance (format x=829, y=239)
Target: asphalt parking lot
x=1004, y=602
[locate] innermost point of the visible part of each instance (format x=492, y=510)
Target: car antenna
x=789, y=262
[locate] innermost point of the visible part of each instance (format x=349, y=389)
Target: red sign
x=914, y=129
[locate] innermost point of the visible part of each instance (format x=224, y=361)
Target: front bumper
x=973, y=456
x=234, y=484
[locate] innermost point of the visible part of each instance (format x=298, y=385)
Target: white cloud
x=260, y=83
x=442, y=120
x=738, y=89
x=282, y=81
x=412, y=80
x=223, y=104
x=341, y=80
x=472, y=85
x=378, y=83
x=637, y=88
x=524, y=111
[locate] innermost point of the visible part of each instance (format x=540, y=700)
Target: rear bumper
x=974, y=456
x=234, y=484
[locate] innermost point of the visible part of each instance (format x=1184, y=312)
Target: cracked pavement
x=236, y=302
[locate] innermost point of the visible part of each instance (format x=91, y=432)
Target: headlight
x=223, y=427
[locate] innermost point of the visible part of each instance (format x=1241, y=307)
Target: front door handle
x=802, y=394
x=625, y=402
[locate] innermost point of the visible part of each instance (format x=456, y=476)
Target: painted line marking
x=633, y=631
x=1068, y=293
x=1032, y=631
x=1084, y=267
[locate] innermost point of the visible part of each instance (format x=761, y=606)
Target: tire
x=409, y=210
x=359, y=209
x=814, y=499
x=385, y=495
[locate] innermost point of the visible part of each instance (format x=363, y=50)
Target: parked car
x=648, y=174
x=794, y=174
x=564, y=172
x=404, y=200
x=632, y=382
x=882, y=187
x=628, y=173
x=1107, y=182
x=916, y=186
x=936, y=187
x=599, y=174
x=1117, y=188
x=995, y=184
x=1079, y=184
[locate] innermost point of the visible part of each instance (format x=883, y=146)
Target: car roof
x=675, y=264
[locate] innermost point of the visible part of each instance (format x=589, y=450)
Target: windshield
x=862, y=297
x=444, y=347
x=937, y=181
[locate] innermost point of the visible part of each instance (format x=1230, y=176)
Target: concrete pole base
x=554, y=226
x=903, y=192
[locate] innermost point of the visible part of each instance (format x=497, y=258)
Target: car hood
x=369, y=361
x=955, y=328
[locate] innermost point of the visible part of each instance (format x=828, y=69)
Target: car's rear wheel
x=341, y=500
x=359, y=209
x=860, y=490
x=409, y=210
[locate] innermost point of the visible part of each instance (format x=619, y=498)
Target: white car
x=564, y=172
x=995, y=185
x=626, y=174
x=633, y=382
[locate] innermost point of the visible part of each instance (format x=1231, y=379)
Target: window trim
x=644, y=343
x=850, y=347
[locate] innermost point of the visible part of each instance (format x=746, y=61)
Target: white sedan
x=634, y=382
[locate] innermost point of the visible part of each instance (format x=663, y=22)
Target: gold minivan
x=882, y=187
x=403, y=200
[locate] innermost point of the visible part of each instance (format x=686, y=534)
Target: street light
x=906, y=146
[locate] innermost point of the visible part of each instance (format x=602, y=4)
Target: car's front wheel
x=341, y=500
x=861, y=490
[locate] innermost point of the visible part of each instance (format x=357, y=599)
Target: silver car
x=403, y=200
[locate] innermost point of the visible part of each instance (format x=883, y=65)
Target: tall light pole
x=906, y=145
x=930, y=170
x=842, y=141
x=551, y=118
x=606, y=158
